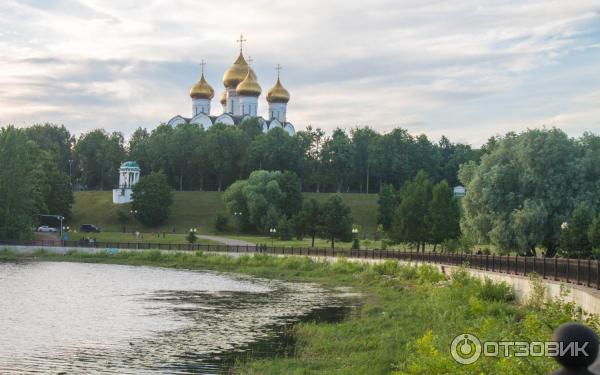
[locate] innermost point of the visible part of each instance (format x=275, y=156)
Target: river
x=96, y=318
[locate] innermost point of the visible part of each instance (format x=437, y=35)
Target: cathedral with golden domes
x=239, y=100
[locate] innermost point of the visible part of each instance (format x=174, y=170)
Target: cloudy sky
x=467, y=69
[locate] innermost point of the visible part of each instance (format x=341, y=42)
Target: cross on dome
x=241, y=41
x=278, y=68
x=202, y=64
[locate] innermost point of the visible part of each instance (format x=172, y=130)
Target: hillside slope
x=197, y=209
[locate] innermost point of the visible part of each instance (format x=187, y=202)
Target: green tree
x=362, y=138
x=525, y=186
x=409, y=224
x=56, y=140
x=386, y=206
x=264, y=199
x=21, y=185
x=574, y=239
x=336, y=220
x=152, y=198
x=99, y=155
x=224, y=147
x=594, y=235
x=337, y=157
x=443, y=216
x=309, y=220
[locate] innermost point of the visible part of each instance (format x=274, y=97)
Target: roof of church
x=130, y=164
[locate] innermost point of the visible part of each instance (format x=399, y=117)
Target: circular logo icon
x=465, y=349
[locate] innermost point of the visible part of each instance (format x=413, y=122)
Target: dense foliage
x=420, y=212
x=194, y=158
x=527, y=186
x=152, y=197
x=273, y=200
x=32, y=181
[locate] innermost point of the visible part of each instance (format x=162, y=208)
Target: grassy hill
x=197, y=209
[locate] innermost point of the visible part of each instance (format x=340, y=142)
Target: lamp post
x=133, y=213
x=354, y=239
x=238, y=216
x=272, y=231
x=192, y=235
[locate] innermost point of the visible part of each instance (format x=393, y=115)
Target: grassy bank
x=405, y=325
x=197, y=209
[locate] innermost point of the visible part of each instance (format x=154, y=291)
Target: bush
x=499, y=292
x=356, y=244
x=285, y=229
x=221, y=222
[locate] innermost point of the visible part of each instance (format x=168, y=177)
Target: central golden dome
x=202, y=90
x=249, y=86
x=278, y=93
x=236, y=73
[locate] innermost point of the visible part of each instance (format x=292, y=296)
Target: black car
x=89, y=228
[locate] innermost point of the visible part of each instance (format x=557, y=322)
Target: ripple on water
x=119, y=319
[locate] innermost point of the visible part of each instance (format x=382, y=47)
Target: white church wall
x=275, y=124
x=248, y=105
x=225, y=119
x=290, y=129
x=202, y=120
x=200, y=106
x=277, y=111
x=176, y=121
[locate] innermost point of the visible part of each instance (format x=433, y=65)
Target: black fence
x=576, y=271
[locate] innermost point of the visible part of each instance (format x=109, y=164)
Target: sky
x=465, y=69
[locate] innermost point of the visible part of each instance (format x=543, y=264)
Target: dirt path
x=226, y=241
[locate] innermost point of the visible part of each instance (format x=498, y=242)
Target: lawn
x=197, y=209
x=157, y=237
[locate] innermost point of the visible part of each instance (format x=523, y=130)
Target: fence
x=577, y=271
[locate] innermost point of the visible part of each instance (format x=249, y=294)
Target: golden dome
x=224, y=98
x=249, y=86
x=278, y=93
x=236, y=73
x=202, y=90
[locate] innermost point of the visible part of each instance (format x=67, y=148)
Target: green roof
x=130, y=164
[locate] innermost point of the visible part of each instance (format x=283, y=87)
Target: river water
x=95, y=318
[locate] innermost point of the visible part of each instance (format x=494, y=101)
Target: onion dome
x=236, y=72
x=249, y=86
x=224, y=98
x=278, y=93
x=202, y=90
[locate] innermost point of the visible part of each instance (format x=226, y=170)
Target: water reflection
x=105, y=318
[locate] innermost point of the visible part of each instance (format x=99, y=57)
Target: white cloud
x=432, y=66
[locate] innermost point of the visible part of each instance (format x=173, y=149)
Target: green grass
x=197, y=209
x=168, y=238
x=405, y=324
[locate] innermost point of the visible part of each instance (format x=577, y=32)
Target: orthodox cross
x=202, y=63
x=250, y=60
x=241, y=41
x=278, y=68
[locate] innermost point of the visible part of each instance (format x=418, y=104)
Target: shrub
x=221, y=222
x=492, y=291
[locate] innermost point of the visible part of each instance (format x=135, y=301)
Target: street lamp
x=354, y=239
x=272, y=231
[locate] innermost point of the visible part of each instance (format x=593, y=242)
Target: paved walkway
x=226, y=241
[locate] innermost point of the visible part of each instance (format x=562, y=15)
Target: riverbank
x=405, y=325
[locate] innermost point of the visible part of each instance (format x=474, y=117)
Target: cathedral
x=239, y=100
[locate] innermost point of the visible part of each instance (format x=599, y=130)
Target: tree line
x=33, y=179
x=193, y=158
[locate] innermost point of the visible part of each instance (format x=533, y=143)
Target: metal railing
x=576, y=271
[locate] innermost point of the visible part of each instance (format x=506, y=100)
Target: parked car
x=89, y=228
x=47, y=229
